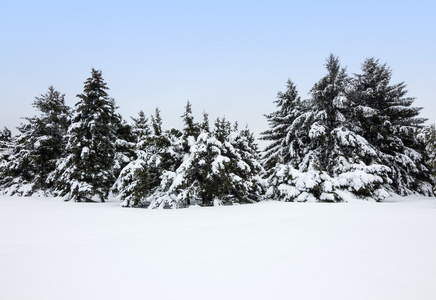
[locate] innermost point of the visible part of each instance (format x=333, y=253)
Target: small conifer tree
x=39, y=145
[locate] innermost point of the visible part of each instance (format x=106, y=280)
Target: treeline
x=355, y=134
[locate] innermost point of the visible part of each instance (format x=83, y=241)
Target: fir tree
x=284, y=146
x=427, y=136
x=39, y=145
x=204, y=126
x=6, y=148
x=387, y=119
x=87, y=172
x=190, y=127
x=245, y=169
x=331, y=106
x=140, y=127
x=220, y=167
x=124, y=144
x=326, y=153
x=156, y=153
x=156, y=122
x=5, y=139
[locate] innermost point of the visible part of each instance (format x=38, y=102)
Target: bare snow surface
x=50, y=249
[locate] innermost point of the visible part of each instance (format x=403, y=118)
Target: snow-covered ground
x=50, y=249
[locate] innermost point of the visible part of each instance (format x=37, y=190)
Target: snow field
x=50, y=249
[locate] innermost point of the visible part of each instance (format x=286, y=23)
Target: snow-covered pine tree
x=427, y=136
x=245, y=170
x=18, y=172
x=284, y=145
x=86, y=174
x=128, y=184
x=173, y=191
x=157, y=152
x=124, y=144
x=326, y=153
x=220, y=167
x=39, y=145
x=204, y=126
x=6, y=148
x=190, y=128
x=140, y=127
x=386, y=118
x=5, y=143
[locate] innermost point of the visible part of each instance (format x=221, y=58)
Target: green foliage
x=39, y=145
x=156, y=152
x=385, y=117
x=361, y=131
x=282, y=149
x=355, y=133
x=88, y=170
x=427, y=136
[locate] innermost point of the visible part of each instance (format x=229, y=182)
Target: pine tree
x=39, y=145
x=128, y=184
x=18, y=171
x=124, y=144
x=204, y=126
x=87, y=172
x=5, y=139
x=387, y=119
x=245, y=169
x=156, y=153
x=326, y=153
x=6, y=148
x=172, y=191
x=284, y=146
x=219, y=167
x=190, y=127
x=156, y=122
x=427, y=136
x=331, y=106
x=140, y=127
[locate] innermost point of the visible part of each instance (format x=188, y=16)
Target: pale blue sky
x=227, y=57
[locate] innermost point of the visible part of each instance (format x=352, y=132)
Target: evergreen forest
x=354, y=134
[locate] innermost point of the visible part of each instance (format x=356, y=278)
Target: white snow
x=51, y=249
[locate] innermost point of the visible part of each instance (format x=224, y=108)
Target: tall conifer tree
x=87, y=172
x=326, y=153
x=386, y=118
x=283, y=144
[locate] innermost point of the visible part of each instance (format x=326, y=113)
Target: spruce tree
x=190, y=127
x=5, y=139
x=6, y=148
x=140, y=127
x=86, y=174
x=386, y=118
x=284, y=145
x=219, y=167
x=39, y=145
x=124, y=144
x=427, y=136
x=245, y=170
x=129, y=185
x=157, y=152
x=325, y=152
x=173, y=191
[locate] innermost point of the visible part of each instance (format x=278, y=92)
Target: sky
x=228, y=58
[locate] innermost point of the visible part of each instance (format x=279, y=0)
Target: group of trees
x=85, y=154
x=357, y=134
x=195, y=165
